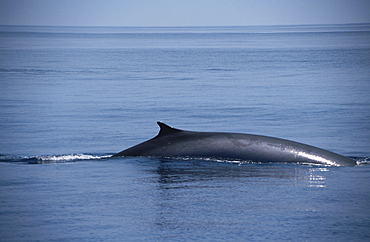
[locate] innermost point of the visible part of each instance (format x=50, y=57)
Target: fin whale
x=172, y=142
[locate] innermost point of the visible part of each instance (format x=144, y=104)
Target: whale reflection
x=179, y=173
x=226, y=190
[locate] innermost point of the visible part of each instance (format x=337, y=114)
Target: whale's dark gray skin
x=171, y=142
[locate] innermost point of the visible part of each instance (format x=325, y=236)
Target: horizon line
x=178, y=26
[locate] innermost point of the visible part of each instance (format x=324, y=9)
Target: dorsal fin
x=166, y=130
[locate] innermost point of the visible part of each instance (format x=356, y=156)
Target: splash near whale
x=172, y=142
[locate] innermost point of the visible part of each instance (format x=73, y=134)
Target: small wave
x=212, y=159
x=49, y=159
x=362, y=160
x=359, y=160
x=221, y=69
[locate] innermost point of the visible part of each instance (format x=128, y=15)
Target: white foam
x=70, y=157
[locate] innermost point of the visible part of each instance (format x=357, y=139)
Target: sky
x=182, y=12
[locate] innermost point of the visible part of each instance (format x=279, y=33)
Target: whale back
x=172, y=142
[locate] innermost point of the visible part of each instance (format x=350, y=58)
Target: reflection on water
x=179, y=173
x=316, y=177
x=196, y=193
x=312, y=177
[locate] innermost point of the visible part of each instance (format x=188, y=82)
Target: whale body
x=172, y=142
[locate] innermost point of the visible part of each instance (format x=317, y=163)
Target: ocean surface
x=70, y=97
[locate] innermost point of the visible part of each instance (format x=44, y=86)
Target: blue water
x=71, y=97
